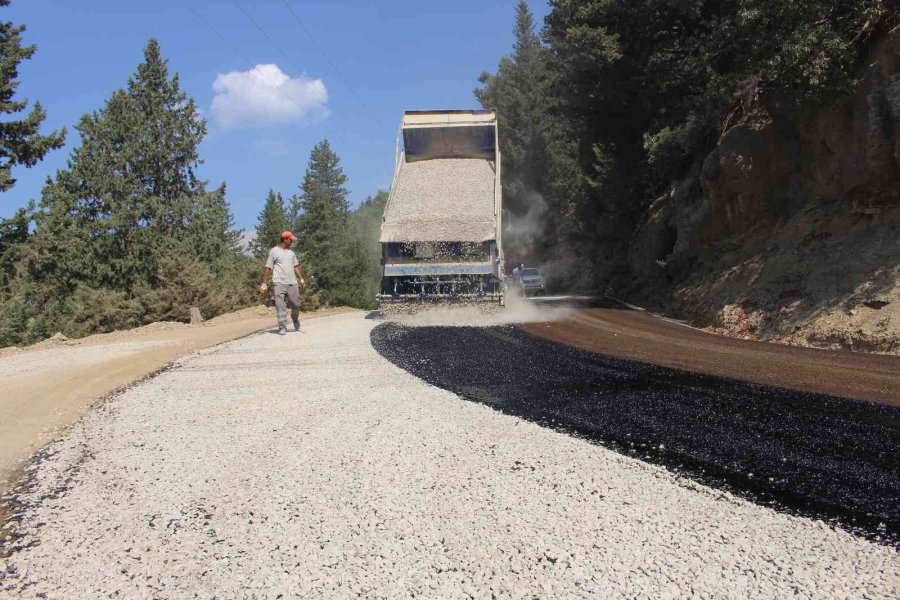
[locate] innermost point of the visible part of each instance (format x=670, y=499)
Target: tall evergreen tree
x=541, y=176
x=127, y=233
x=323, y=209
x=272, y=220
x=20, y=140
x=130, y=192
x=330, y=253
x=519, y=94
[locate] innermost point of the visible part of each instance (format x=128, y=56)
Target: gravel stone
x=442, y=199
x=308, y=465
x=821, y=456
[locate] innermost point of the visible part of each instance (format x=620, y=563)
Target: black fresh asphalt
x=819, y=456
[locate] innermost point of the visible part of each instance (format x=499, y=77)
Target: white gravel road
x=307, y=465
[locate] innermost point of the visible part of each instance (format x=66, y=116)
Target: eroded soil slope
x=788, y=229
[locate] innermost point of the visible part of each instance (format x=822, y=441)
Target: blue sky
x=372, y=61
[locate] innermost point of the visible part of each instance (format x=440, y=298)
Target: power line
x=325, y=54
x=216, y=31
x=250, y=64
x=265, y=34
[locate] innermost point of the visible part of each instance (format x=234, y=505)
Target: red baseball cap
x=288, y=235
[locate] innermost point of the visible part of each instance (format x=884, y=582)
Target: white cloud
x=265, y=96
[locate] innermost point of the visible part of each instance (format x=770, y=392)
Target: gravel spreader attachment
x=441, y=230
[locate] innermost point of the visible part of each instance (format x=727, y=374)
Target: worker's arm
x=263, y=287
x=299, y=276
x=270, y=264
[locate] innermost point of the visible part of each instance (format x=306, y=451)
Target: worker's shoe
x=296, y=324
x=282, y=330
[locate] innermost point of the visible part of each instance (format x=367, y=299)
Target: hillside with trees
x=127, y=234
x=732, y=163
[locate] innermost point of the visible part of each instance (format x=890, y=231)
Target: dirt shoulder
x=49, y=385
x=642, y=336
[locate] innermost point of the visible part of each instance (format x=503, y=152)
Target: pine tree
x=272, y=220
x=294, y=210
x=20, y=140
x=170, y=130
x=323, y=209
x=330, y=252
x=540, y=174
x=130, y=191
x=127, y=233
x=210, y=234
x=519, y=93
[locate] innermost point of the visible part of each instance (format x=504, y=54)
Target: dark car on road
x=532, y=282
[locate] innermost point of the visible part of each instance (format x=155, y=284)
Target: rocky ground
x=822, y=279
x=308, y=465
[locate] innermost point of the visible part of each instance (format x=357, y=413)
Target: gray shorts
x=287, y=294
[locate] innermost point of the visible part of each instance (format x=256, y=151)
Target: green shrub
x=669, y=149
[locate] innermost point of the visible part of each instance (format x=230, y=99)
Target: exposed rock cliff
x=789, y=229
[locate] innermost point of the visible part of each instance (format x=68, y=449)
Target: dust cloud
x=536, y=238
x=524, y=233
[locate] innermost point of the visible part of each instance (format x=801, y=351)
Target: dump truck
x=441, y=229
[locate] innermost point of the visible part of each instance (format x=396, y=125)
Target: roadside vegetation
x=607, y=110
x=127, y=234
x=613, y=101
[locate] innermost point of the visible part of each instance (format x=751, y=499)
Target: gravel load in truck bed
x=442, y=200
x=309, y=466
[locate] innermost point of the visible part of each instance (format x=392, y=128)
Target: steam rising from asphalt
x=474, y=314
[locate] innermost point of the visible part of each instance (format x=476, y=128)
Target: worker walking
x=283, y=267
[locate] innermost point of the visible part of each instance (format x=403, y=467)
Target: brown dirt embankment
x=642, y=336
x=49, y=385
x=788, y=229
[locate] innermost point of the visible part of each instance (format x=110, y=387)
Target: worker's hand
x=302, y=282
x=263, y=288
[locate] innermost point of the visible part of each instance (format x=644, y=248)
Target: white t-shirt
x=282, y=263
